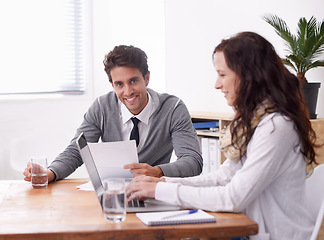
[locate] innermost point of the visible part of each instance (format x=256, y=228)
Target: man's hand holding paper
x=144, y=169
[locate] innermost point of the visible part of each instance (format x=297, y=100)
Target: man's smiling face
x=130, y=87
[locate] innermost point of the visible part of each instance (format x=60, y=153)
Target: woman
x=268, y=146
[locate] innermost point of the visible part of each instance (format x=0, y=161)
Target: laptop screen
x=90, y=165
x=149, y=205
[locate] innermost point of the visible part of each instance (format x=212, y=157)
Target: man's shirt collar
x=143, y=116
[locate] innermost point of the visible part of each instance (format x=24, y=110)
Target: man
x=163, y=122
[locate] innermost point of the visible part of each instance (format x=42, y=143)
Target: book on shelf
x=175, y=217
x=213, y=154
x=210, y=153
x=205, y=125
x=205, y=154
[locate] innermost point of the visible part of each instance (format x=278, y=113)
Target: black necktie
x=134, y=133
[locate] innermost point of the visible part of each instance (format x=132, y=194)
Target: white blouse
x=268, y=184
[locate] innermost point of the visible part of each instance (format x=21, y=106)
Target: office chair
x=315, y=198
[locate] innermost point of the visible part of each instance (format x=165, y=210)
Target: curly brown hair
x=264, y=77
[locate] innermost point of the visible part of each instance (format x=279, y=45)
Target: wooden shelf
x=212, y=115
x=208, y=134
x=224, y=119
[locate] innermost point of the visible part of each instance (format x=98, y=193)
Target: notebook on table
x=175, y=217
x=149, y=205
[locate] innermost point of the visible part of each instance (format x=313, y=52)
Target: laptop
x=149, y=205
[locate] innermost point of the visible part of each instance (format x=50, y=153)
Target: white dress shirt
x=144, y=124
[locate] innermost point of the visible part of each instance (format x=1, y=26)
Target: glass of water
x=39, y=177
x=114, y=200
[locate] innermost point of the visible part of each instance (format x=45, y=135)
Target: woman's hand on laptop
x=138, y=169
x=142, y=187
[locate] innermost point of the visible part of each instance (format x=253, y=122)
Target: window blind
x=42, y=46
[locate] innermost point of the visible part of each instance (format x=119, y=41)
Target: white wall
x=139, y=23
x=179, y=46
x=36, y=127
x=194, y=28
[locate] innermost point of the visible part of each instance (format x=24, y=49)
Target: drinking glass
x=114, y=200
x=39, y=177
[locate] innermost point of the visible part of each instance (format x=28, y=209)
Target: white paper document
x=110, y=158
x=86, y=186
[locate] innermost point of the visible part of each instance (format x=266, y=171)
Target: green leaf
x=303, y=48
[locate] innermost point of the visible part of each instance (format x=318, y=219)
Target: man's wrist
x=159, y=172
x=51, y=175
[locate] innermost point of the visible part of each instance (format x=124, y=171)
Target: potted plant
x=303, y=49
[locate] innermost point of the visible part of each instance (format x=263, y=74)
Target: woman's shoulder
x=276, y=122
x=275, y=132
x=276, y=117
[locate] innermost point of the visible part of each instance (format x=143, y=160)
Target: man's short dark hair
x=128, y=56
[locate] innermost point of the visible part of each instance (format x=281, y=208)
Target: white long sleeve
x=268, y=184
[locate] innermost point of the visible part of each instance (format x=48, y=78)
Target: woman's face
x=226, y=80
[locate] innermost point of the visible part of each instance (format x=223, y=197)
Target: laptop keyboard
x=136, y=203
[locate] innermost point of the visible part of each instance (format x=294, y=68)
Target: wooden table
x=63, y=212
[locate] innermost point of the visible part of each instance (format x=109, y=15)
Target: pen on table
x=180, y=214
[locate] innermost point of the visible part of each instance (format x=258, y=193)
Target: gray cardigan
x=170, y=128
